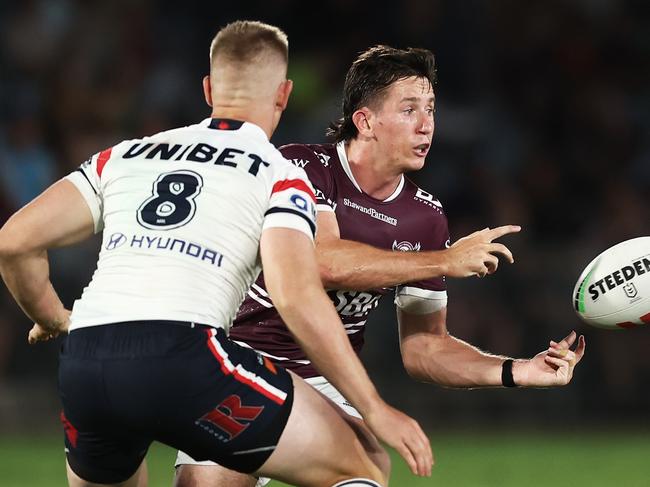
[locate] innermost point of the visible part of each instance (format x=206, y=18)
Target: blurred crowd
x=542, y=119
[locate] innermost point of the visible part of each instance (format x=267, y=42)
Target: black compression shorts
x=124, y=385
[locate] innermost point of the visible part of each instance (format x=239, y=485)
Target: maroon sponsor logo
x=323, y=158
x=228, y=415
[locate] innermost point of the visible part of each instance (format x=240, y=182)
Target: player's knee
x=369, y=471
x=359, y=482
x=185, y=477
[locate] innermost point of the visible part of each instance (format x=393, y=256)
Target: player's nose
x=426, y=125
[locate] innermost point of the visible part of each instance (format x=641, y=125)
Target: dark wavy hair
x=369, y=77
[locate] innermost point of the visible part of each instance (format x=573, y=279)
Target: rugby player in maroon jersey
x=368, y=212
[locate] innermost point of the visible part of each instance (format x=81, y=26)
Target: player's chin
x=415, y=162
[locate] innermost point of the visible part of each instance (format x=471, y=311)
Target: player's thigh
x=138, y=479
x=188, y=475
x=369, y=442
x=350, y=415
x=317, y=447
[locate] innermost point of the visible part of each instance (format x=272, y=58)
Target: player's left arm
x=347, y=264
x=58, y=217
x=431, y=354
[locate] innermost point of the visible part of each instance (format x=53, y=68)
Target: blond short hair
x=246, y=41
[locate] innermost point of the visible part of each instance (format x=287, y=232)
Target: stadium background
x=542, y=119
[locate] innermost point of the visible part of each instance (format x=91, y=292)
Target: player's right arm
x=291, y=277
x=58, y=217
x=345, y=264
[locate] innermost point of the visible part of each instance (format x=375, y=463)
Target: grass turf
x=575, y=459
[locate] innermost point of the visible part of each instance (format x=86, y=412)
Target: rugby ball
x=613, y=291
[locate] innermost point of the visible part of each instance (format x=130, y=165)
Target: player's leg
x=317, y=447
x=138, y=479
x=370, y=444
x=100, y=449
x=193, y=475
x=196, y=474
x=376, y=452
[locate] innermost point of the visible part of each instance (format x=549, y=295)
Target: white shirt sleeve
x=86, y=179
x=292, y=203
x=420, y=301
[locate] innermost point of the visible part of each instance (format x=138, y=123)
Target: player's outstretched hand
x=477, y=254
x=554, y=366
x=41, y=333
x=404, y=434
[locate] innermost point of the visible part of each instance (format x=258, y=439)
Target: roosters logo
x=406, y=246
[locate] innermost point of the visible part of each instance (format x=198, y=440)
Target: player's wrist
x=441, y=261
x=519, y=373
x=370, y=403
x=54, y=317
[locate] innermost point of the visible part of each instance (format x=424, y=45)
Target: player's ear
x=362, y=120
x=282, y=95
x=207, y=90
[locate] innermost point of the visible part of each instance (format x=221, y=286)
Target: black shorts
x=124, y=385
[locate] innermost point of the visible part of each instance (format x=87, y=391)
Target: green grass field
x=589, y=459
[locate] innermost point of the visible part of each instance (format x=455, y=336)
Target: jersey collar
x=230, y=124
x=343, y=157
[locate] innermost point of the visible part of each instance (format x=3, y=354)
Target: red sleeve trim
x=103, y=158
x=298, y=184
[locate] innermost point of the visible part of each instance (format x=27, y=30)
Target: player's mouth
x=421, y=150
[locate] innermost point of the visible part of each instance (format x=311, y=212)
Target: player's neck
x=246, y=114
x=373, y=173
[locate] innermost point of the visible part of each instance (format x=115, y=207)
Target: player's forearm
x=344, y=264
x=451, y=362
x=27, y=278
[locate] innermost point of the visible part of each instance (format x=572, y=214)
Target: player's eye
x=409, y=110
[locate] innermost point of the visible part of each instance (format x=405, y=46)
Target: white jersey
x=182, y=213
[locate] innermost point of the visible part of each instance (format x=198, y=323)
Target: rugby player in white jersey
x=187, y=215
x=377, y=230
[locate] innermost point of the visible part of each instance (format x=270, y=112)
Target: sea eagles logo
x=406, y=246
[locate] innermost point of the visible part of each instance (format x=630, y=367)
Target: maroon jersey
x=409, y=220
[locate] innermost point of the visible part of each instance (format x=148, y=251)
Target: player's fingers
x=491, y=263
x=568, y=340
x=564, y=354
x=425, y=447
x=558, y=362
x=498, y=248
x=501, y=231
x=580, y=349
x=422, y=457
x=558, y=352
x=571, y=338
x=407, y=455
x=35, y=335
